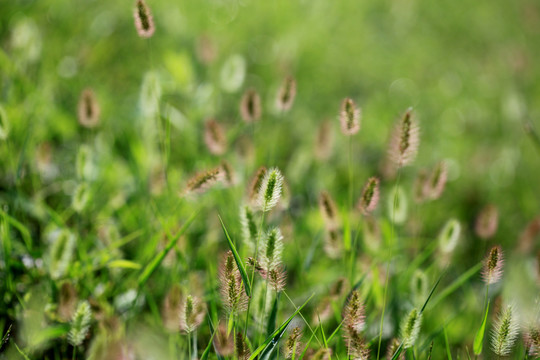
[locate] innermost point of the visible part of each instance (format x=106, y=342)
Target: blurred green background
x=469, y=69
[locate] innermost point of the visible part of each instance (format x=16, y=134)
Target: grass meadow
x=243, y=179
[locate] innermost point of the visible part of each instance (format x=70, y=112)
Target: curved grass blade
x=239, y=263
x=204, y=355
x=457, y=283
x=479, y=338
x=271, y=326
x=152, y=265
x=270, y=343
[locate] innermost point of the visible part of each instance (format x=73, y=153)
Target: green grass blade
x=21, y=352
x=271, y=325
x=335, y=332
x=431, y=293
x=448, y=353
x=457, y=283
x=270, y=343
x=25, y=234
x=204, y=355
x=156, y=261
x=398, y=352
x=307, y=346
x=239, y=262
x=479, y=338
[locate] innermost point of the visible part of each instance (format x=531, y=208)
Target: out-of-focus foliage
x=93, y=213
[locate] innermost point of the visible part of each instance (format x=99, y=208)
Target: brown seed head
x=370, y=196
x=144, y=22
x=250, y=106
x=493, y=265
x=349, y=117
x=486, y=222
x=214, y=137
x=88, y=109
x=286, y=94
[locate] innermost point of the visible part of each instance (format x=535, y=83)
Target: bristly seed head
x=293, y=344
x=250, y=106
x=80, y=324
x=286, y=94
x=434, y=185
x=405, y=140
x=232, y=292
x=410, y=328
x=370, y=196
x=214, y=137
x=242, y=350
x=255, y=184
x=505, y=332
x=353, y=324
x=493, y=265
x=144, y=22
x=487, y=222
x=88, y=109
x=270, y=190
x=349, y=117
x=328, y=210
x=202, y=181
x=192, y=314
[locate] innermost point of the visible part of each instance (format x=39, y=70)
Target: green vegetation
x=290, y=179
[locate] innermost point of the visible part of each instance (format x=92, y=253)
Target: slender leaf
x=123, y=264
x=204, y=355
x=479, y=338
x=237, y=258
x=448, y=353
x=271, y=326
x=156, y=261
x=270, y=343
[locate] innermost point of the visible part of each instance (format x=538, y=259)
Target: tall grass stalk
x=386, y=280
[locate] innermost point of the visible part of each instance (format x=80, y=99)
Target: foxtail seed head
x=144, y=22
x=270, y=190
x=405, y=140
x=202, y=181
x=88, y=109
x=242, y=350
x=487, y=222
x=370, y=196
x=410, y=328
x=249, y=227
x=286, y=94
x=192, y=314
x=256, y=183
x=328, y=210
x=250, y=106
x=493, y=265
x=349, y=117
x=232, y=292
x=214, y=137
x=505, y=332
x=293, y=344
x=434, y=185
x=80, y=324
x=272, y=249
